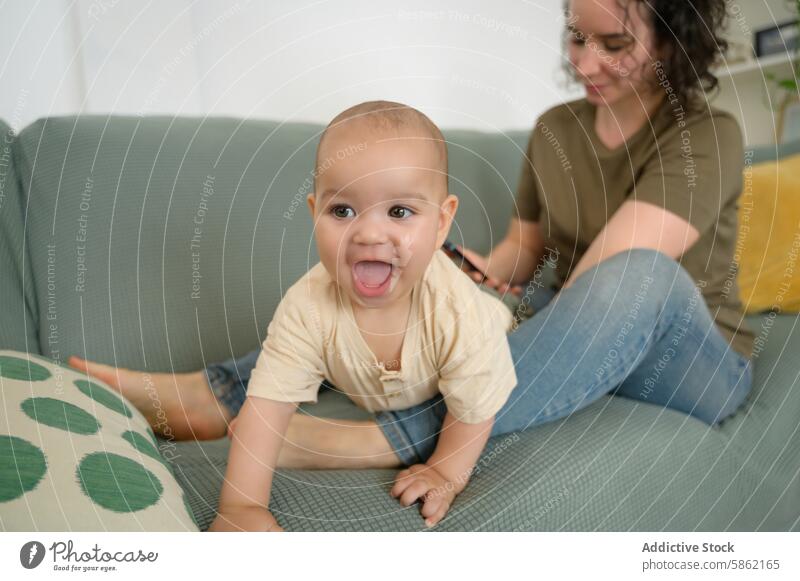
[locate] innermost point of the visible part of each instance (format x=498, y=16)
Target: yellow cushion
x=768, y=246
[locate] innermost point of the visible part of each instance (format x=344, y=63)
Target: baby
x=385, y=316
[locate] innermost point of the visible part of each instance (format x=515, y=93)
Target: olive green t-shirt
x=688, y=163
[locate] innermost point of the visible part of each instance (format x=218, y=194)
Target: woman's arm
x=255, y=446
x=638, y=225
x=513, y=260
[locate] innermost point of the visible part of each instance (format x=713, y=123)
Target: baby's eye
x=400, y=212
x=340, y=211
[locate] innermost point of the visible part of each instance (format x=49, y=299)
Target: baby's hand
x=246, y=518
x=423, y=482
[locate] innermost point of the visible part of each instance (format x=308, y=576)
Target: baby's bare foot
x=179, y=406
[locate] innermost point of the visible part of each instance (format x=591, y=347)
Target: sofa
x=163, y=244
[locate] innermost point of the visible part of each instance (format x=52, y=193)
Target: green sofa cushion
x=617, y=465
x=766, y=435
x=161, y=243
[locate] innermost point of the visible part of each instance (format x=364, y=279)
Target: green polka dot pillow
x=74, y=455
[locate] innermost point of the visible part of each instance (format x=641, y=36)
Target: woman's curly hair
x=687, y=36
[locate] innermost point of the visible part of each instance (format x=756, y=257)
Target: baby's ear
x=450, y=205
x=446, y=214
x=311, y=200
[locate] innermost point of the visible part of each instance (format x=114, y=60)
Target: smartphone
x=453, y=252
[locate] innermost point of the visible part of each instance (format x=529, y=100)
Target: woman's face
x=611, y=49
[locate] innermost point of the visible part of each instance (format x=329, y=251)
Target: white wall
x=468, y=63
x=40, y=66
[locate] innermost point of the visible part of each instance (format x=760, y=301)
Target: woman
x=631, y=192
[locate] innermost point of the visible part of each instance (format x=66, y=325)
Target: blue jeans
x=634, y=325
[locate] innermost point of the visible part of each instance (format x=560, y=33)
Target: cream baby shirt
x=455, y=344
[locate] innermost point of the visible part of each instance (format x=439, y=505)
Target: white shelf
x=763, y=64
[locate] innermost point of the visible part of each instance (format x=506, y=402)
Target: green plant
x=790, y=83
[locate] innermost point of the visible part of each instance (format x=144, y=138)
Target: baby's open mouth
x=372, y=277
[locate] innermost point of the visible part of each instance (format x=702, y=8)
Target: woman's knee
x=643, y=270
x=642, y=261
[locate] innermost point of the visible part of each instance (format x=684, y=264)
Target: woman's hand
x=245, y=518
x=482, y=263
x=425, y=483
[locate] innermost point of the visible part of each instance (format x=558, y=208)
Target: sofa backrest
x=166, y=243
x=18, y=307
x=761, y=153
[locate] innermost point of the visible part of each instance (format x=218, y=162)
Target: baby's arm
x=447, y=471
x=255, y=446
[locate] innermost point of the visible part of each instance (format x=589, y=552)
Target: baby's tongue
x=372, y=272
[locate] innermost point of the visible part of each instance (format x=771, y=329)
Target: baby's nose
x=371, y=230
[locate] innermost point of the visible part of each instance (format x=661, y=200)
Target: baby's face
x=381, y=209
